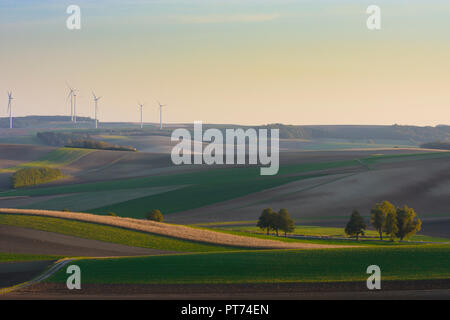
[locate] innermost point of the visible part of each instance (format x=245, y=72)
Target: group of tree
x=79, y=140
x=276, y=221
x=400, y=222
x=33, y=176
x=60, y=138
x=100, y=145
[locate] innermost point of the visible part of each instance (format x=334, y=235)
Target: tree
x=390, y=225
x=407, y=222
x=155, y=215
x=284, y=222
x=267, y=219
x=378, y=216
x=32, y=176
x=356, y=225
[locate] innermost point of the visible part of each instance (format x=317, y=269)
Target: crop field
x=415, y=180
x=54, y=159
x=85, y=201
x=327, y=233
x=26, y=139
x=13, y=155
x=383, y=158
x=201, y=188
x=194, y=196
x=222, y=175
x=15, y=257
x=169, y=230
x=274, y=266
x=108, y=234
x=345, y=144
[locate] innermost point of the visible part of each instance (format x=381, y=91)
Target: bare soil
x=29, y=241
x=14, y=154
x=421, y=184
x=418, y=289
x=12, y=273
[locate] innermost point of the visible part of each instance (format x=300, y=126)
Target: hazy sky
x=248, y=62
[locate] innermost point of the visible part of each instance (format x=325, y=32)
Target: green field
x=346, y=144
x=27, y=139
x=54, y=159
x=202, y=188
x=382, y=158
x=272, y=266
x=84, y=201
x=15, y=257
x=108, y=234
x=326, y=232
x=145, y=240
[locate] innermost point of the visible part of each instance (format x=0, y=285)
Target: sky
x=247, y=62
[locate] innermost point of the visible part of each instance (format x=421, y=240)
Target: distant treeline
x=101, y=145
x=78, y=140
x=436, y=145
x=60, y=138
x=413, y=134
x=43, y=121
x=133, y=132
x=33, y=176
x=350, y=132
x=394, y=132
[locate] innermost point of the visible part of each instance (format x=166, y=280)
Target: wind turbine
x=75, y=106
x=160, y=114
x=71, y=96
x=10, y=98
x=96, y=100
x=141, y=106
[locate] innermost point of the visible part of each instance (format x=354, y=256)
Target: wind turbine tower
x=75, y=106
x=141, y=106
x=71, y=93
x=10, y=98
x=96, y=101
x=160, y=114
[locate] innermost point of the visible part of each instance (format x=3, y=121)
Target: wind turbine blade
x=72, y=90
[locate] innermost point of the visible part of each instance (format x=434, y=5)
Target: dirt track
x=29, y=241
x=176, y=231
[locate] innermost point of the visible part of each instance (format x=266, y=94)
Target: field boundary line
x=174, y=231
